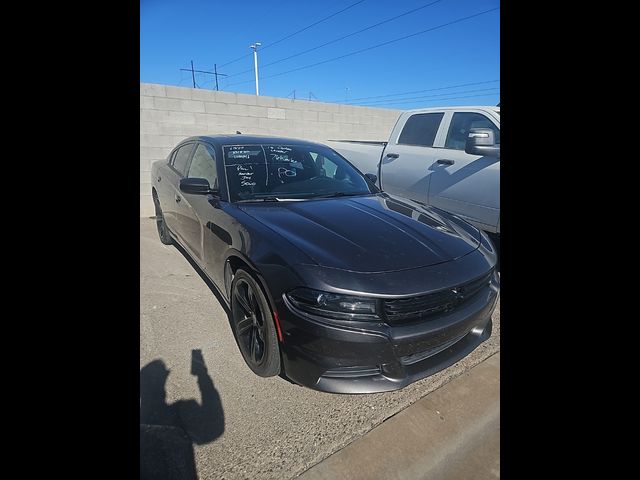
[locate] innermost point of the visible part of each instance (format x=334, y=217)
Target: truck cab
x=425, y=160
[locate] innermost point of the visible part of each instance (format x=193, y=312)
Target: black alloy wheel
x=253, y=326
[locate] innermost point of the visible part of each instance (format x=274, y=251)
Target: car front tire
x=253, y=326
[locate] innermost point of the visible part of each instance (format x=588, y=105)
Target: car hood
x=378, y=233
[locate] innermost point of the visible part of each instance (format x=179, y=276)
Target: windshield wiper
x=273, y=198
x=337, y=194
x=267, y=198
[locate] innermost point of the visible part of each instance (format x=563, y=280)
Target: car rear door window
x=421, y=129
x=181, y=158
x=203, y=165
x=461, y=123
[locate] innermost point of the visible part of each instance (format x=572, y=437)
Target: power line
x=340, y=38
x=235, y=60
x=440, y=99
x=193, y=73
x=376, y=46
x=295, y=33
x=313, y=24
x=421, y=91
x=430, y=96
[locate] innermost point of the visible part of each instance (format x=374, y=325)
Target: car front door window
x=203, y=165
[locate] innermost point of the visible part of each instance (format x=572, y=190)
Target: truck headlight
x=332, y=305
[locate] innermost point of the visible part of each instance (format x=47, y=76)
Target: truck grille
x=404, y=310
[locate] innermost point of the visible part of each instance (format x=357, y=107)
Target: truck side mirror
x=481, y=141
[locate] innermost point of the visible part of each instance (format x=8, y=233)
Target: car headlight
x=332, y=305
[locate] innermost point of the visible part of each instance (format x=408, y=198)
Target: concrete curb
x=452, y=433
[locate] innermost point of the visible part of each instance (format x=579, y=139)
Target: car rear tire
x=253, y=326
x=163, y=230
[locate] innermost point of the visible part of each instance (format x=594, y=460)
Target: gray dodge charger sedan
x=328, y=281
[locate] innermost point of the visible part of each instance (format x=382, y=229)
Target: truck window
x=326, y=167
x=421, y=129
x=461, y=123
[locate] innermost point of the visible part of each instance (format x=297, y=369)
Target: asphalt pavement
x=196, y=388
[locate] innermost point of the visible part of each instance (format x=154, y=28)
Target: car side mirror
x=372, y=177
x=482, y=141
x=196, y=186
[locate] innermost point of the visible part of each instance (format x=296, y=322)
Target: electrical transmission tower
x=193, y=74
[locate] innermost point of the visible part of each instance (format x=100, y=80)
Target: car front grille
x=405, y=310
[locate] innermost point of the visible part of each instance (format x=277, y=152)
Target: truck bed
x=365, y=155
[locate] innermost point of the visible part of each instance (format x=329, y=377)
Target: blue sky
x=409, y=73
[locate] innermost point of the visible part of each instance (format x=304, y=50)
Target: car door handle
x=178, y=198
x=445, y=161
x=392, y=155
x=159, y=178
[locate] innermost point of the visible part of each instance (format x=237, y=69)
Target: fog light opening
x=477, y=330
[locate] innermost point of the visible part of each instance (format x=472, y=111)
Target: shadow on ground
x=169, y=431
x=218, y=296
x=205, y=279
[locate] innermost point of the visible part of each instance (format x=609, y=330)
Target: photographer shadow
x=169, y=431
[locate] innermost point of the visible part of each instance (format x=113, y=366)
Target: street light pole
x=255, y=64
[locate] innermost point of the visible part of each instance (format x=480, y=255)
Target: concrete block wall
x=170, y=114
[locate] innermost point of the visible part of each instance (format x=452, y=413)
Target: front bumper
x=334, y=359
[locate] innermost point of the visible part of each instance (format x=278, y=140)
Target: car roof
x=242, y=139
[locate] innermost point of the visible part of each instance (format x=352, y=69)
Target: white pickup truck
x=446, y=157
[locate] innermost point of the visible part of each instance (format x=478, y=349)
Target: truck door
x=404, y=169
x=463, y=184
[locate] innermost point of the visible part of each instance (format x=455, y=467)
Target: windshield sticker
x=245, y=173
x=243, y=154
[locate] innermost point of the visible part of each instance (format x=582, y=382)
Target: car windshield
x=288, y=172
